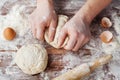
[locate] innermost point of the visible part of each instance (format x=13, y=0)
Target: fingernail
x=65, y=47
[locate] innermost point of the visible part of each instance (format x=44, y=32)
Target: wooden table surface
x=9, y=71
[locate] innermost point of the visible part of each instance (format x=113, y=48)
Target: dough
x=32, y=58
x=62, y=19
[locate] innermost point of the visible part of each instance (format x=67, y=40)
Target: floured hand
x=77, y=30
x=42, y=17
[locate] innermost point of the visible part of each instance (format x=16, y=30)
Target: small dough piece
x=62, y=19
x=32, y=59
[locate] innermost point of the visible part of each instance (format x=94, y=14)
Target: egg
x=9, y=33
x=105, y=22
x=106, y=36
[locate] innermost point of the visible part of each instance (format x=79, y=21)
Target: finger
x=71, y=43
x=33, y=29
x=79, y=43
x=62, y=37
x=40, y=31
x=85, y=41
x=34, y=32
x=52, y=30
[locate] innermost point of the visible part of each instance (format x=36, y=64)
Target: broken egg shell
x=106, y=36
x=106, y=22
x=9, y=33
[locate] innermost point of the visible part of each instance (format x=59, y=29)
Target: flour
x=17, y=19
x=114, y=48
x=71, y=61
x=116, y=26
x=110, y=48
x=115, y=69
x=44, y=18
x=44, y=76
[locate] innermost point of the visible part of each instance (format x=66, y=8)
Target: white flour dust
x=17, y=19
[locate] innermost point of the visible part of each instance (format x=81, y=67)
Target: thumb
x=52, y=30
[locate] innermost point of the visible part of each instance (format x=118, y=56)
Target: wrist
x=44, y=1
x=86, y=14
x=82, y=15
x=91, y=8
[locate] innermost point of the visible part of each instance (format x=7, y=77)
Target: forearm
x=92, y=8
x=46, y=1
x=43, y=0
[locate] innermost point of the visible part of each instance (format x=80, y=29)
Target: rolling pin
x=85, y=69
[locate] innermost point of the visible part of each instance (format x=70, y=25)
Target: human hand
x=43, y=16
x=77, y=31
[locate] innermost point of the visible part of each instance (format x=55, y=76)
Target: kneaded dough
x=32, y=58
x=62, y=19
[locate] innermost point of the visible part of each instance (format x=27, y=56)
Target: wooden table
x=9, y=70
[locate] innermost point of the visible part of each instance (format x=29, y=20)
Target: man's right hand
x=43, y=16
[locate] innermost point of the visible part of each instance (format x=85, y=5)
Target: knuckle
x=52, y=27
x=76, y=34
x=63, y=29
x=39, y=37
x=87, y=39
x=40, y=21
x=67, y=48
x=74, y=50
x=83, y=36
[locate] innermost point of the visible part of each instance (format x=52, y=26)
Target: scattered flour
x=116, y=26
x=71, y=60
x=114, y=48
x=14, y=19
x=44, y=76
x=110, y=48
x=18, y=21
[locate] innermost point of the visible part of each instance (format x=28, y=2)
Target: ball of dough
x=9, y=34
x=32, y=58
x=62, y=19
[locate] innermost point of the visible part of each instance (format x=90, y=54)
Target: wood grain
x=55, y=64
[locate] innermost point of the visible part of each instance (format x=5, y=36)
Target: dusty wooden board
x=10, y=71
